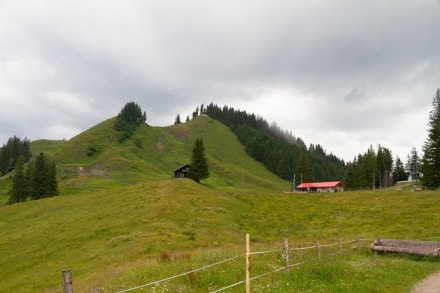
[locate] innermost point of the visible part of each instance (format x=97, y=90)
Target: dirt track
x=429, y=285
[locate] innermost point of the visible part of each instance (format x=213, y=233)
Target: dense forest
x=281, y=152
x=9, y=153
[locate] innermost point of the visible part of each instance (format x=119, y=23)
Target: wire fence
x=264, y=263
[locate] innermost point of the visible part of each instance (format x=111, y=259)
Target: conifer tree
x=199, y=164
x=39, y=178
x=303, y=168
x=431, y=157
x=19, y=190
x=399, y=173
x=51, y=178
x=177, y=121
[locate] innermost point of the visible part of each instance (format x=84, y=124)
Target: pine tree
x=51, y=179
x=19, y=190
x=303, y=168
x=399, y=173
x=177, y=121
x=431, y=157
x=199, y=164
x=39, y=182
x=195, y=113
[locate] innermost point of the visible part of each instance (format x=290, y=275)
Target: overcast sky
x=345, y=74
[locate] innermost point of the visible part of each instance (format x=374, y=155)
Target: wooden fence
x=286, y=251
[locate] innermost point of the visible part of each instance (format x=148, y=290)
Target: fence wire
x=180, y=275
x=267, y=262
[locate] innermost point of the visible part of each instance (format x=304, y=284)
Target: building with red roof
x=332, y=186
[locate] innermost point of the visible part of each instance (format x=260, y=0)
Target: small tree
x=199, y=164
x=43, y=179
x=19, y=189
x=399, y=173
x=177, y=121
x=195, y=113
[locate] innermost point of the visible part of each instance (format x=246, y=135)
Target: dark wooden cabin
x=182, y=172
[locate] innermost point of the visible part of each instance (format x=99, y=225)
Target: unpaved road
x=429, y=285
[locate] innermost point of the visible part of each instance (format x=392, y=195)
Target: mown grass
x=110, y=237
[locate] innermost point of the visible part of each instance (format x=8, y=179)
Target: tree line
x=281, y=152
x=376, y=168
x=36, y=180
x=10, y=152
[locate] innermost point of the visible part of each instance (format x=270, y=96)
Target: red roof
x=320, y=184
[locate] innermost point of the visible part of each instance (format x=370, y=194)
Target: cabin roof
x=320, y=184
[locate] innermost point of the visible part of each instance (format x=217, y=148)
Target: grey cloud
x=360, y=57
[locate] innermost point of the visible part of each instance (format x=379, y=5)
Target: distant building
x=416, y=177
x=333, y=186
x=182, y=172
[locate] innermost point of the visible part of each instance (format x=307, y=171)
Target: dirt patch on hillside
x=159, y=146
x=95, y=172
x=180, y=134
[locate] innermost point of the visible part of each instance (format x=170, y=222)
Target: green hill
x=45, y=145
x=95, y=159
x=122, y=220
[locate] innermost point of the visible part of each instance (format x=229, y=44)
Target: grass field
x=121, y=220
x=111, y=238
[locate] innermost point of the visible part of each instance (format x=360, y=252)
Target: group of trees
x=371, y=170
x=128, y=120
x=36, y=180
x=195, y=114
x=10, y=152
x=280, y=151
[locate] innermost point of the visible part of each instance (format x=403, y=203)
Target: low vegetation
x=120, y=237
x=121, y=220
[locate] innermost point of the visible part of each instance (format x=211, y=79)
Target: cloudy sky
x=346, y=74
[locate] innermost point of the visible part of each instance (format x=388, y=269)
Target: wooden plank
x=423, y=248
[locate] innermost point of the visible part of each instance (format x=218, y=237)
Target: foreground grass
x=350, y=272
x=113, y=238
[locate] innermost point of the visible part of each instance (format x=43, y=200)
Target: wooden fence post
x=286, y=254
x=67, y=281
x=248, y=264
x=340, y=246
x=319, y=249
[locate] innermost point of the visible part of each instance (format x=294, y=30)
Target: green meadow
x=122, y=221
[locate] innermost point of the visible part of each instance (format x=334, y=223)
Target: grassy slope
x=104, y=234
x=45, y=145
x=153, y=153
x=119, y=222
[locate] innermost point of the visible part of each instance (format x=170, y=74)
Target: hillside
x=113, y=233
x=120, y=212
x=95, y=159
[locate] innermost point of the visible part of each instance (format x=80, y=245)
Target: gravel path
x=429, y=285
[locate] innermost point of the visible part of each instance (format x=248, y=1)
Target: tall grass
x=349, y=272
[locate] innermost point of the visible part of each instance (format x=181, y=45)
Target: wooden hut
x=182, y=172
